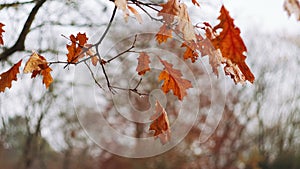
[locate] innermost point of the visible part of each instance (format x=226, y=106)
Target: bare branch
x=20, y=43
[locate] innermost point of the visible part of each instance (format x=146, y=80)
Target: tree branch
x=20, y=43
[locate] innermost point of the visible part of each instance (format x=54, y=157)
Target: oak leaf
x=206, y=48
x=292, y=7
x=143, y=63
x=75, y=49
x=231, y=44
x=191, y=50
x=185, y=26
x=160, y=124
x=169, y=11
x=90, y=52
x=7, y=77
x=164, y=33
x=173, y=81
x=1, y=32
x=37, y=65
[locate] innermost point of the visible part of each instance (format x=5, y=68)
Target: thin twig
x=125, y=51
x=93, y=75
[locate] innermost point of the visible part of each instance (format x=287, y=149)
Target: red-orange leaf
x=1, y=31
x=75, y=49
x=143, y=63
x=7, y=77
x=231, y=44
x=164, y=33
x=160, y=124
x=37, y=65
x=173, y=81
x=195, y=2
x=191, y=50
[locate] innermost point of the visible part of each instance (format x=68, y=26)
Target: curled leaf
x=7, y=77
x=37, y=65
x=143, y=63
x=160, y=124
x=173, y=81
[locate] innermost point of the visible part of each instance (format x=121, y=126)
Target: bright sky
x=266, y=15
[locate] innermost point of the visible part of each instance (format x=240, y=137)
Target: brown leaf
x=143, y=63
x=37, y=65
x=122, y=4
x=90, y=52
x=206, y=48
x=7, y=77
x=169, y=11
x=173, y=81
x=136, y=14
x=160, y=124
x=164, y=33
x=231, y=45
x=191, y=50
x=185, y=26
x=1, y=32
x=75, y=49
x=292, y=7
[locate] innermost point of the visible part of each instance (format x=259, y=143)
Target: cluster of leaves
x=221, y=43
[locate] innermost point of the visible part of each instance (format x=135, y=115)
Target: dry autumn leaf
x=160, y=124
x=185, y=26
x=75, y=49
x=136, y=14
x=231, y=45
x=7, y=77
x=191, y=50
x=37, y=65
x=169, y=11
x=173, y=81
x=143, y=63
x=90, y=52
x=164, y=33
x=1, y=32
x=122, y=4
x=292, y=7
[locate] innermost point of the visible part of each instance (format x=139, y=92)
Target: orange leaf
x=1, y=31
x=169, y=11
x=164, y=33
x=37, y=65
x=173, y=80
x=292, y=7
x=190, y=51
x=136, y=14
x=160, y=124
x=75, y=49
x=143, y=64
x=7, y=77
x=47, y=78
x=231, y=44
